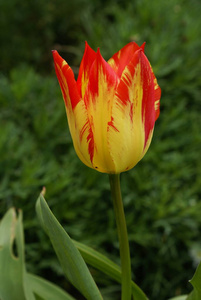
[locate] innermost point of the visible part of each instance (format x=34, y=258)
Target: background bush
x=161, y=194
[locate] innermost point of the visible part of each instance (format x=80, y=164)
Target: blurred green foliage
x=161, y=194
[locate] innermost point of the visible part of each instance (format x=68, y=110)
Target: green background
x=161, y=194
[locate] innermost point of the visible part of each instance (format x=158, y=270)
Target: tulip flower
x=111, y=108
x=111, y=111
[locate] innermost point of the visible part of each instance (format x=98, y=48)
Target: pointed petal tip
x=88, y=50
x=98, y=54
x=86, y=45
x=54, y=52
x=143, y=46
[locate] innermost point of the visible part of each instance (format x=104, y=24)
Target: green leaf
x=196, y=283
x=191, y=296
x=70, y=259
x=13, y=279
x=47, y=290
x=15, y=282
x=102, y=263
x=183, y=297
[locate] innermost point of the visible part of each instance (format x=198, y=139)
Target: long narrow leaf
x=70, y=259
x=47, y=290
x=102, y=263
x=183, y=297
x=13, y=279
x=196, y=283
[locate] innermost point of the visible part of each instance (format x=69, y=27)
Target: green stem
x=123, y=236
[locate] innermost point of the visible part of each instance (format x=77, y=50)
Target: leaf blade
x=196, y=283
x=70, y=259
x=46, y=289
x=183, y=297
x=102, y=263
x=13, y=278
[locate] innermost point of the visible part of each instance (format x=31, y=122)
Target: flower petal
x=66, y=80
x=121, y=59
x=133, y=113
x=148, y=103
x=157, y=99
x=157, y=92
x=85, y=66
x=75, y=107
x=99, y=98
x=112, y=107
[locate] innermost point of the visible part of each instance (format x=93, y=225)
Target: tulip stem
x=122, y=235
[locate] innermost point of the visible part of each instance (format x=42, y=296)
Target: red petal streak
x=146, y=81
x=85, y=66
x=66, y=80
x=91, y=145
x=148, y=101
x=99, y=67
x=98, y=100
x=123, y=91
x=90, y=139
x=157, y=91
x=84, y=128
x=157, y=100
x=111, y=124
x=122, y=58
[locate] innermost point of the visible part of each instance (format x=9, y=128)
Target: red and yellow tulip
x=111, y=108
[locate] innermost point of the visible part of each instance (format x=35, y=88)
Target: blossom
x=111, y=108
